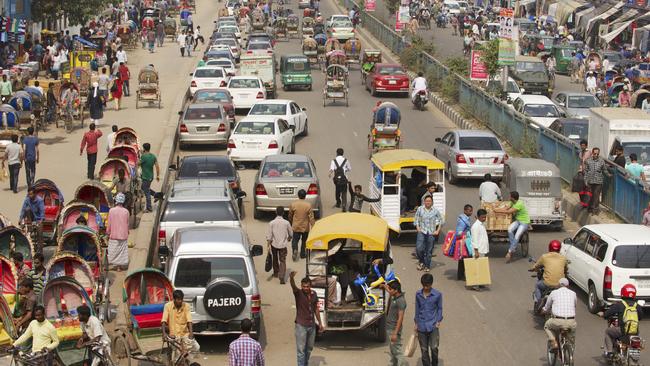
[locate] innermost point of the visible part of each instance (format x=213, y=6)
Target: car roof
x=286, y=158
x=259, y=118
x=620, y=234
x=204, y=105
x=274, y=101
x=209, y=67
x=535, y=99
x=529, y=164
x=576, y=94
x=199, y=189
x=195, y=158
x=243, y=77
x=222, y=90
x=474, y=133
x=222, y=59
x=202, y=240
x=385, y=64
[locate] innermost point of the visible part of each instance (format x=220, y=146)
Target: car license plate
x=643, y=283
x=285, y=190
x=392, y=82
x=244, y=96
x=483, y=161
x=251, y=145
x=202, y=129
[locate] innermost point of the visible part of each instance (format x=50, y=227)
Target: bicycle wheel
x=567, y=354
x=551, y=354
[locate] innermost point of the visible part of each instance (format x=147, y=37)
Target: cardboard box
x=496, y=221
x=477, y=271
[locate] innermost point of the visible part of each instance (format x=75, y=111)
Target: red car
x=219, y=96
x=387, y=78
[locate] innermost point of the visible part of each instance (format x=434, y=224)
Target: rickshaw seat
x=145, y=321
x=147, y=309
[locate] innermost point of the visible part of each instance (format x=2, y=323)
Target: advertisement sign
x=398, y=26
x=371, y=5
x=506, y=20
x=506, y=52
x=403, y=18
x=477, y=69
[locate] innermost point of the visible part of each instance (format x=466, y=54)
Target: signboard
x=506, y=20
x=506, y=52
x=477, y=68
x=403, y=17
x=82, y=58
x=371, y=5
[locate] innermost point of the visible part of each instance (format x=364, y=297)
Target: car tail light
x=162, y=237
x=471, y=160
x=231, y=144
x=256, y=304
x=260, y=95
x=313, y=189
x=222, y=128
x=496, y=160
x=249, y=52
x=260, y=190
x=273, y=144
x=193, y=84
x=607, y=280
x=223, y=84
x=183, y=128
x=460, y=158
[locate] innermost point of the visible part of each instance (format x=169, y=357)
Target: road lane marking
x=478, y=302
x=355, y=133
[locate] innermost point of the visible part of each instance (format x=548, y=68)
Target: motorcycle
x=539, y=306
x=421, y=99
x=441, y=21
x=627, y=350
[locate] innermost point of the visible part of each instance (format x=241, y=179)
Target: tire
x=120, y=351
x=524, y=245
x=292, y=150
x=567, y=352
x=593, y=302
x=551, y=356
x=380, y=330
x=305, y=130
x=319, y=213
x=450, y=175
x=309, y=88
x=373, y=92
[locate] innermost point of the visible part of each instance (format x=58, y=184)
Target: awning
x=564, y=10
x=604, y=15
x=636, y=34
x=583, y=17
x=631, y=13
x=611, y=35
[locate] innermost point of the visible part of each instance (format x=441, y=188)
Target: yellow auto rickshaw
x=399, y=178
x=341, y=249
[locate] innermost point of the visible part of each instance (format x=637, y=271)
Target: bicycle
x=29, y=358
x=564, y=352
x=177, y=347
x=93, y=350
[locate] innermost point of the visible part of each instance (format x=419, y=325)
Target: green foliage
x=490, y=56
x=392, y=6
x=458, y=65
x=77, y=12
x=410, y=56
x=449, y=88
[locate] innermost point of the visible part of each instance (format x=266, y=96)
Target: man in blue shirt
x=427, y=222
x=33, y=208
x=428, y=316
x=30, y=147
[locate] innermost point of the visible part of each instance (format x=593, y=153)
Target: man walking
x=394, y=320
x=160, y=33
x=428, y=316
x=245, y=351
x=277, y=237
x=339, y=169
x=489, y=191
x=13, y=158
x=428, y=221
x=463, y=226
x=595, y=171
x=89, y=142
x=301, y=217
x=147, y=162
x=30, y=147
x=307, y=316
x=181, y=42
x=117, y=231
x=124, y=75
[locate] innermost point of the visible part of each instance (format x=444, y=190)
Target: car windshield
x=580, y=130
x=479, y=143
x=641, y=149
x=259, y=46
x=255, y=128
x=530, y=66
x=263, y=109
x=213, y=54
x=512, y=87
x=258, y=39
x=540, y=110
x=204, y=168
x=229, y=29
x=452, y=6
x=565, y=52
x=199, y=272
x=293, y=169
x=223, y=63
x=203, y=113
x=210, y=96
x=208, y=73
x=244, y=83
x=226, y=42
x=199, y=211
x=298, y=64
x=341, y=23
x=631, y=256
x=390, y=70
x=583, y=101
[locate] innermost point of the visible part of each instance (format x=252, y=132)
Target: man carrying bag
x=339, y=168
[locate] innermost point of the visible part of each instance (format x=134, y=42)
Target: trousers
x=92, y=161
x=341, y=196
x=515, y=231
x=396, y=349
x=299, y=237
x=424, y=247
x=30, y=172
x=429, y=343
x=554, y=325
x=594, y=202
x=14, y=171
x=279, y=261
x=305, y=337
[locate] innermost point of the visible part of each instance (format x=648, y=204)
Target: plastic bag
x=411, y=345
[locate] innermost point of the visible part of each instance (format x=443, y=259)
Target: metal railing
x=625, y=198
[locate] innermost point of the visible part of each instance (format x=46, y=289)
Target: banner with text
x=478, y=71
x=371, y=5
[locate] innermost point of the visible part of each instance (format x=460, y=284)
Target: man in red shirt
x=125, y=75
x=89, y=142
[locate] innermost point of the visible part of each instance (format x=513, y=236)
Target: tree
x=76, y=12
x=490, y=57
x=392, y=6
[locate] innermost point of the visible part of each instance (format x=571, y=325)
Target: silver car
x=279, y=179
x=470, y=154
x=576, y=104
x=204, y=123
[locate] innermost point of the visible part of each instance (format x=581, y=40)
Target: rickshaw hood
x=371, y=231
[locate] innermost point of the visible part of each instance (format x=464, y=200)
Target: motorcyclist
x=617, y=310
x=555, y=268
x=419, y=83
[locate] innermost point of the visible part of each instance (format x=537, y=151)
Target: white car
x=227, y=64
x=206, y=77
x=453, y=7
x=336, y=17
x=602, y=258
x=538, y=108
x=256, y=137
x=285, y=109
x=304, y=4
x=259, y=48
x=246, y=90
x=231, y=29
x=512, y=89
x=341, y=29
x=232, y=43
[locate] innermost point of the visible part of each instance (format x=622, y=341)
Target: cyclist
x=42, y=333
x=177, y=322
x=561, y=304
x=33, y=212
x=555, y=267
x=94, y=334
x=618, y=311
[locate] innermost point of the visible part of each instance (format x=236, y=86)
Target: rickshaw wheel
x=120, y=351
x=524, y=245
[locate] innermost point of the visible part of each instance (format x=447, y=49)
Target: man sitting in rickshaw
x=177, y=322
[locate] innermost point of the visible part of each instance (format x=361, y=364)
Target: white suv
x=603, y=258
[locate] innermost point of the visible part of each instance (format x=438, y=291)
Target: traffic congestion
x=282, y=191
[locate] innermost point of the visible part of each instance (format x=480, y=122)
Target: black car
x=575, y=129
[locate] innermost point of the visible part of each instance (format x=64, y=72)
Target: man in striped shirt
x=245, y=351
x=37, y=273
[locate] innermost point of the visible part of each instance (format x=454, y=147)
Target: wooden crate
x=496, y=221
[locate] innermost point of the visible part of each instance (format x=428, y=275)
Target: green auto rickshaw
x=295, y=71
x=562, y=54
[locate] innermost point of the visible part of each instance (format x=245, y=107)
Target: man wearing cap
x=562, y=306
x=118, y=234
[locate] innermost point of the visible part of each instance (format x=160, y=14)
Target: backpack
x=630, y=319
x=339, y=174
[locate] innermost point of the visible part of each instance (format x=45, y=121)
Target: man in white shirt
x=489, y=191
x=605, y=64
x=93, y=331
x=181, y=42
x=121, y=55
x=419, y=83
x=13, y=157
x=480, y=241
x=591, y=83
x=562, y=306
x=278, y=237
x=339, y=169
x=110, y=138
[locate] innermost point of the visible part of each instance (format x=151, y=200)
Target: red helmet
x=554, y=246
x=628, y=291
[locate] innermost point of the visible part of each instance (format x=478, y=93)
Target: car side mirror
x=568, y=241
x=163, y=250
x=522, y=90
x=241, y=194
x=438, y=139
x=172, y=167
x=256, y=250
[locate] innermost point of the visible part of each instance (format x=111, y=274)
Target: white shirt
x=591, y=83
x=475, y=29
x=605, y=65
x=181, y=40
x=419, y=83
x=339, y=160
x=12, y=153
x=110, y=138
x=562, y=303
x=489, y=192
x=480, y=239
x=93, y=329
x=121, y=56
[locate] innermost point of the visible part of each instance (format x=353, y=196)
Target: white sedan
x=246, y=90
x=285, y=109
x=256, y=137
x=207, y=77
x=230, y=29
x=227, y=64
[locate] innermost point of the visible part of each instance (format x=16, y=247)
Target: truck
x=531, y=75
x=627, y=127
x=262, y=66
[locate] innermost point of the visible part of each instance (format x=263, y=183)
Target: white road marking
x=355, y=133
x=478, y=302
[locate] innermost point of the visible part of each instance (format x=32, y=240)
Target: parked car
x=538, y=108
x=207, y=77
x=285, y=109
x=279, y=179
x=575, y=129
x=214, y=268
x=576, y=104
x=452, y=7
x=260, y=37
x=602, y=258
x=204, y=123
x=231, y=29
x=216, y=96
x=387, y=78
x=470, y=154
x=212, y=52
x=256, y=137
x=531, y=74
x=246, y=90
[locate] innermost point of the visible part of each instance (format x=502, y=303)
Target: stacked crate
x=496, y=221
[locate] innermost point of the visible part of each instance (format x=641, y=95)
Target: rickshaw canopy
x=394, y=160
x=387, y=113
x=371, y=231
